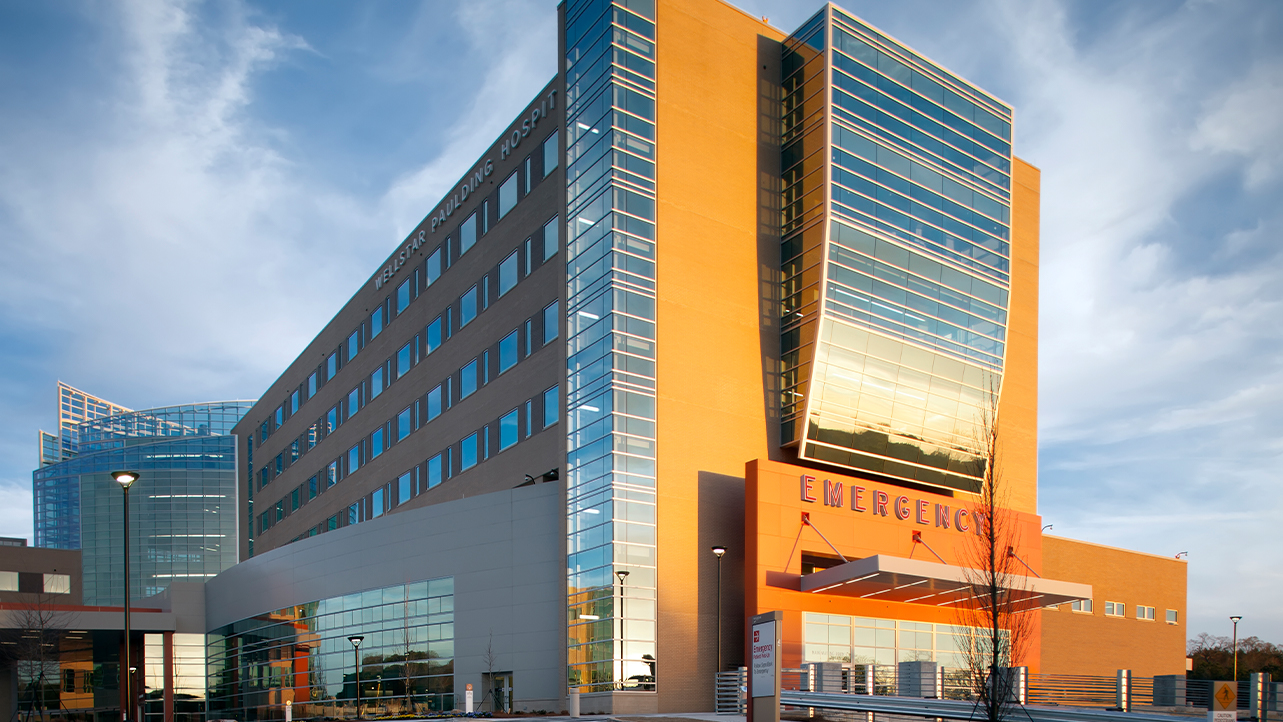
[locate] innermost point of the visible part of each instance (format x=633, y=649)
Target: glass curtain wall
x=896, y=298
x=610, y=395
x=302, y=655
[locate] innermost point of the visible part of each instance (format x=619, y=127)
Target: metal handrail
x=958, y=710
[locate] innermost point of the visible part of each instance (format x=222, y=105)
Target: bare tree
x=37, y=651
x=998, y=617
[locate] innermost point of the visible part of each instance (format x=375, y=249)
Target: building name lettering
x=470, y=184
x=879, y=503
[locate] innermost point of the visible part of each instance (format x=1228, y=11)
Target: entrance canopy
x=896, y=579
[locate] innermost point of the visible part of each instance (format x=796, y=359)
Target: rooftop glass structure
x=182, y=518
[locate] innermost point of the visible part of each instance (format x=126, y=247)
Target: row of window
x=522, y=422
x=1119, y=609
x=50, y=583
x=517, y=185
x=495, y=284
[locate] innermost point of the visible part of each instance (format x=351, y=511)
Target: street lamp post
x=719, y=551
x=126, y=479
x=356, y=657
x=622, y=574
x=1235, y=619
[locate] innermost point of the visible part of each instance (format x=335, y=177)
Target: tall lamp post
x=1235, y=619
x=622, y=574
x=719, y=551
x=126, y=479
x=356, y=658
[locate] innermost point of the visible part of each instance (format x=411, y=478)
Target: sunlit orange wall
x=1018, y=409
x=776, y=540
x=1080, y=643
x=711, y=371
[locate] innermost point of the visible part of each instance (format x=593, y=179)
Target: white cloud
x=1247, y=119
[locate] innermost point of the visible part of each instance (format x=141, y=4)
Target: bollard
x=1258, y=689
x=574, y=703
x=1123, y=690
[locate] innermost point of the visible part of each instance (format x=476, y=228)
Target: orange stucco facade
x=1089, y=642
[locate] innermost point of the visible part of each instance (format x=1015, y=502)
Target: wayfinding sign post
x=764, y=667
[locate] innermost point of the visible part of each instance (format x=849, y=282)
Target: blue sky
x=152, y=153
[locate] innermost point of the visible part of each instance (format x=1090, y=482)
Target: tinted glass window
x=468, y=453
x=468, y=234
x=376, y=443
x=403, y=296
x=508, y=195
x=434, y=471
x=550, y=154
x=354, y=344
x=376, y=383
x=434, y=335
x=402, y=362
x=467, y=307
x=508, y=352
x=404, y=425
x=376, y=322
x=354, y=458
x=434, y=403
x=468, y=379
x=550, y=322
x=551, y=239
x=508, y=273
x=434, y=267
x=508, y=430
x=550, y=407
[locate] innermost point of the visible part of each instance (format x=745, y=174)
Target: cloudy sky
x=189, y=191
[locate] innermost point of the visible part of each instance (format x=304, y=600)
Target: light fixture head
x=719, y=550
x=622, y=574
x=355, y=640
x=125, y=478
x=1235, y=619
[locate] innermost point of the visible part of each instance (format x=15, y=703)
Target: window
x=280, y=462
x=311, y=437
x=331, y=366
x=467, y=307
x=468, y=453
x=508, y=352
x=280, y=510
x=376, y=322
x=353, y=402
x=1081, y=605
x=376, y=502
x=468, y=234
x=353, y=458
x=8, y=581
x=1146, y=613
x=332, y=523
x=530, y=422
x=311, y=385
x=402, y=296
x=508, y=273
x=550, y=322
x=525, y=171
x=434, y=471
x=294, y=451
x=311, y=488
x=508, y=195
x=434, y=403
x=294, y=403
x=57, y=584
x=485, y=217
x=280, y=415
x=551, y=233
x=294, y=501
x=332, y=419
x=1115, y=609
x=403, y=361
x=551, y=151
x=376, y=383
x=550, y=407
x=405, y=422
x=376, y=443
x=1171, y=616
x=354, y=344
x=434, y=335
x=468, y=379
x=434, y=268
x=403, y=488
x=331, y=474
x=353, y=514
x=508, y=430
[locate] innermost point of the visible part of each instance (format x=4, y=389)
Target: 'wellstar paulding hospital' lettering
x=508, y=143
